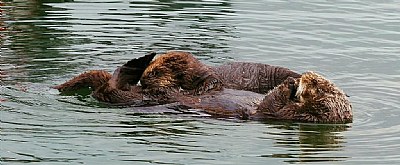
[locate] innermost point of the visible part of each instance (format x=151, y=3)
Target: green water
x=44, y=43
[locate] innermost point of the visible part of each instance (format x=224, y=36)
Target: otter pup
x=162, y=80
x=173, y=73
x=183, y=79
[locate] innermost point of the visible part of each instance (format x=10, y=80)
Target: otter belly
x=231, y=99
x=220, y=104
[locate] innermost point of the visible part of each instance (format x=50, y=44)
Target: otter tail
x=93, y=79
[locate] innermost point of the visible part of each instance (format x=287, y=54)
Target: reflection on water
x=49, y=38
x=44, y=43
x=148, y=25
x=310, y=142
x=28, y=47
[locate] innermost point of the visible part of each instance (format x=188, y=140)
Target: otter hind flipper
x=130, y=72
x=141, y=62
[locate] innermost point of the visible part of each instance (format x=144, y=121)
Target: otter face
x=312, y=86
x=321, y=100
x=310, y=98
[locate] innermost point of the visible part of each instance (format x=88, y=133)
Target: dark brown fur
x=255, y=77
x=93, y=79
x=104, y=87
x=177, y=71
x=121, y=87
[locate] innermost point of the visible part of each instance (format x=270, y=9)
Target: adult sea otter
x=179, y=77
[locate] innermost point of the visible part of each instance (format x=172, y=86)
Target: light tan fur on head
x=312, y=86
x=316, y=99
x=323, y=99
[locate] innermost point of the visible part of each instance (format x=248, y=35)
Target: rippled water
x=353, y=43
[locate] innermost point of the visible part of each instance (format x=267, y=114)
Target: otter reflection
x=309, y=142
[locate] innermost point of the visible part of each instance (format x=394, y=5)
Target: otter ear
x=131, y=71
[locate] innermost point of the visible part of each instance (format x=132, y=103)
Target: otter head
x=313, y=87
x=310, y=98
x=321, y=100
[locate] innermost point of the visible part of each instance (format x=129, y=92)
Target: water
x=353, y=43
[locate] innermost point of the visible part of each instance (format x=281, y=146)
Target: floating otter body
x=179, y=77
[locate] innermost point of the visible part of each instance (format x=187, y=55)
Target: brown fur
x=255, y=77
x=163, y=80
x=316, y=100
x=103, y=85
x=119, y=88
x=110, y=93
x=177, y=71
x=93, y=79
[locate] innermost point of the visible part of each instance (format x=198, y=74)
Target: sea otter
x=309, y=97
x=161, y=80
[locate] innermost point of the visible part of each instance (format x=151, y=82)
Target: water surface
x=353, y=43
